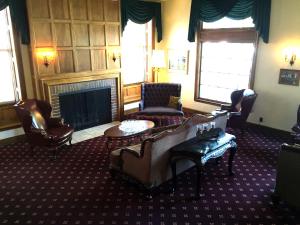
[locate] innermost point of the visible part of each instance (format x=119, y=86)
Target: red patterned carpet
x=77, y=188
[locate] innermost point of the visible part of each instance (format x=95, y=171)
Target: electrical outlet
x=261, y=119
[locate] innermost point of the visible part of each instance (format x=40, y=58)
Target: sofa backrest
x=158, y=147
x=158, y=94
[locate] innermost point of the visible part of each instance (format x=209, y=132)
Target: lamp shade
x=158, y=59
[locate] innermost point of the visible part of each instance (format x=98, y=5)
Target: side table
x=200, y=151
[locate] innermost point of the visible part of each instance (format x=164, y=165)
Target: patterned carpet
x=77, y=188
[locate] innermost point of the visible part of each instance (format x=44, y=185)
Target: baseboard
x=193, y=111
x=12, y=140
x=269, y=129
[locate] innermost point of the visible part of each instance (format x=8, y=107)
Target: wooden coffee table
x=128, y=129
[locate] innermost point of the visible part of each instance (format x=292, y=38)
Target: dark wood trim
x=13, y=140
x=210, y=101
x=193, y=111
x=268, y=129
x=236, y=35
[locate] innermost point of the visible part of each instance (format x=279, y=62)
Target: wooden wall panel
x=66, y=61
x=84, y=60
x=43, y=34
x=97, y=12
x=97, y=35
x=99, y=60
x=132, y=93
x=60, y=9
x=63, y=34
x=81, y=32
x=40, y=9
x=112, y=37
x=110, y=9
x=79, y=9
x=84, y=34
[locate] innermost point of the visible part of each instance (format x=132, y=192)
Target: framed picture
x=289, y=77
x=178, y=61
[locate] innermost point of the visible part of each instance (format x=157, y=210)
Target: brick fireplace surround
x=52, y=88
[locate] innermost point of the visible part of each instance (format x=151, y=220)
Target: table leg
x=198, y=181
x=174, y=177
x=230, y=160
x=108, y=141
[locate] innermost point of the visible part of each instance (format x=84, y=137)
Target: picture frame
x=178, y=61
x=289, y=77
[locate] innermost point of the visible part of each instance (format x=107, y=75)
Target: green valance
x=213, y=10
x=19, y=17
x=141, y=12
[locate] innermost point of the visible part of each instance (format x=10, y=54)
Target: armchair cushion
x=174, y=101
x=160, y=110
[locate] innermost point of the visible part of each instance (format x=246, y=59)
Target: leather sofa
x=148, y=163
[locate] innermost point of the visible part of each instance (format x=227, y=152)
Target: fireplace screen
x=86, y=108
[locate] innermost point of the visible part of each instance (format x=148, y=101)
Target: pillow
x=173, y=102
x=38, y=120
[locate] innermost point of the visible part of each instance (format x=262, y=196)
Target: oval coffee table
x=128, y=129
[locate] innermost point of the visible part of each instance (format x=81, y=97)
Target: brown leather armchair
x=40, y=128
x=241, y=105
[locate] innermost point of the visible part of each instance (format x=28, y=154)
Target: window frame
x=230, y=35
x=18, y=63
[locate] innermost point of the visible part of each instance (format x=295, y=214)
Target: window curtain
x=19, y=17
x=141, y=12
x=213, y=10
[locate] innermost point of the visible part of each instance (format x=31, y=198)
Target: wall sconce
x=157, y=62
x=46, y=55
x=115, y=55
x=290, y=56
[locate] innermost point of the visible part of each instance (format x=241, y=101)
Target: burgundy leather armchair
x=241, y=105
x=40, y=128
x=155, y=99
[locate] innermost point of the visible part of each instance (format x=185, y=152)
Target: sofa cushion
x=159, y=110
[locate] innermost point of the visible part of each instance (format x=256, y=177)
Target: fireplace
x=86, y=108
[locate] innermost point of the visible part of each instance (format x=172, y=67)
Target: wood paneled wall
x=84, y=33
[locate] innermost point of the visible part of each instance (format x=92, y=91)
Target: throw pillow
x=173, y=102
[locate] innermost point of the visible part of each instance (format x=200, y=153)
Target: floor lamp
x=157, y=62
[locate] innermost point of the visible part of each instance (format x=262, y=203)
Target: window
x=226, y=58
x=136, y=49
x=9, y=82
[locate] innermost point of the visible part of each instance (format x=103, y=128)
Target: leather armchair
x=241, y=105
x=155, y=98
x=40, y=128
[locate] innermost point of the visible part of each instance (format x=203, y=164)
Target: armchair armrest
x=234, y=114
x=295, y=148
x=141, y=105
x=225, y=107
x=53, y=122
x=179, y=106
x=130, y=151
